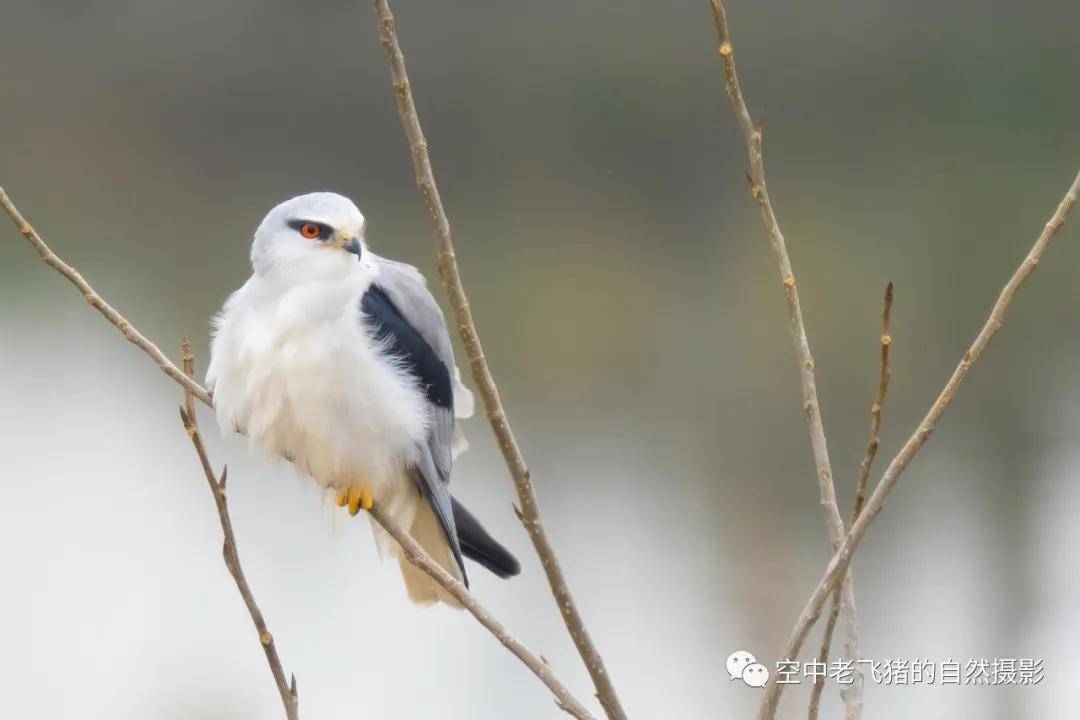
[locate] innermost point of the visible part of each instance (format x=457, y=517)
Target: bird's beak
x=353, y=245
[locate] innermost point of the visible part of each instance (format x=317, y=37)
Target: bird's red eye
x=310, y=230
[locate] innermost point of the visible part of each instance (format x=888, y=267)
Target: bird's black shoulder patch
x=403, y=341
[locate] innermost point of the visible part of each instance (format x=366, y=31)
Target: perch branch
x=127, y=329
x=286, y=689
x=860, y=493
x=760, y=192
x=529, y=512
x=192, y=388
x=840, y=561
x=416, y=555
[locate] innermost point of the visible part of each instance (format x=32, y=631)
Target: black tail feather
x=478, y=545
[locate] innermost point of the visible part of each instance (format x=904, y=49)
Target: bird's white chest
x=296, y=370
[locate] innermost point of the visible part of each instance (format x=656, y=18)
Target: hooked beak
x=353, y=246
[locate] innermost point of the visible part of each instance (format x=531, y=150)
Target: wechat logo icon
x=742, y=665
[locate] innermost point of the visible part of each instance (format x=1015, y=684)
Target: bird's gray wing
x=403, y=315
x=409, y=288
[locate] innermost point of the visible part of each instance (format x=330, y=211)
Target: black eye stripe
x=325, y=231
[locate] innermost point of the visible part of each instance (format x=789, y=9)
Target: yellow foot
x=355, y=498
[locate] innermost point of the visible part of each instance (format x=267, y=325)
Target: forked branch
x=840, y=561
x=760, y=192
x=95, y=301
x=860, y=493
x=414, y=552
x=528, y=512
x=286, y=689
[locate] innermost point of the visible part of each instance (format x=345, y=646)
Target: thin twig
x=529, y=512
x=418, y=557
x=840, y=561
x=860, y=495
x=187, y=361
x=229, y=550
x=96, y=302
x=760, y=192
x=873, y=441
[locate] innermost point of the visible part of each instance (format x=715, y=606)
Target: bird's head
x=318, y=234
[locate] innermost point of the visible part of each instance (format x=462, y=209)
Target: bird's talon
x=356, y=498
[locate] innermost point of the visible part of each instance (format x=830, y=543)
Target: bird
x=339, y=361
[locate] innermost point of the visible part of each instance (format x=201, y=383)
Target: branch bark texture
x=286, y=689
x=418, y=557
x=95, y=301
x=760, y=192
x=414, y=552
x=860, y=497
x=840, y=561
x=529, y=511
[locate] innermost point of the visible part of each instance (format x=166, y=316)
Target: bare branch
x=99, y=304
x=752, y=133
x=860, y=495
x=536, y=663
x=229, y=551
x=840, y=561
x=418, y=557
x=187, y=361
x=823, y=657
x=448, y=270
x=879, y=402
x=760, y=193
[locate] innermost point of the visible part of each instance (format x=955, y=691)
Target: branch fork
x=194, y=391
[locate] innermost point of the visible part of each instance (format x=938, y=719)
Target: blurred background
x=629, y=303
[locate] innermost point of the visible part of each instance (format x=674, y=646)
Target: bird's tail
x=478, y=545
x=423, y=590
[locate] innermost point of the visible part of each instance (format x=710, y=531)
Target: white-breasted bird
x=339, y=361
